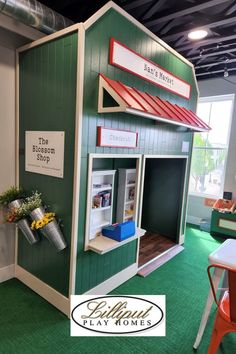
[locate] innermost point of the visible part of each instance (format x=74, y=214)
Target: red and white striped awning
x=130, y=100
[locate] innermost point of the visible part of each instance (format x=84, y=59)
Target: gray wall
x=216, y=87
x=12, y=35
x=7, y=146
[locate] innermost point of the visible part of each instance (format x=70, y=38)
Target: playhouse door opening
x=162, y=206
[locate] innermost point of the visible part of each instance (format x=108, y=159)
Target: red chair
x=225, y=320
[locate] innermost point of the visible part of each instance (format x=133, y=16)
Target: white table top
x=225, y=254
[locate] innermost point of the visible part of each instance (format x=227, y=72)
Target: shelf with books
x=100, y=201
x=126, y=200
x=101, y=209
x=129, y=202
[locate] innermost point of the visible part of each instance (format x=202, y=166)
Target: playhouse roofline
x=111, y=5
x=95, y=17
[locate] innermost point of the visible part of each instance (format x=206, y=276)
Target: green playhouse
x=105, y=130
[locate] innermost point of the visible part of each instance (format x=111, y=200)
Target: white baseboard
x=58, y=300
x=193, y=220
x=61, y=302
x=113, y=282
x=7, y=273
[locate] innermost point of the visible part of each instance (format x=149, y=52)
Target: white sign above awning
x=126, y=59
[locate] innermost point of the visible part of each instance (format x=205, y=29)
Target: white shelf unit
x=100, y=201
x=127, y=195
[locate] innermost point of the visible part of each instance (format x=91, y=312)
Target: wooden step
x=160, y=260
x=152, y=245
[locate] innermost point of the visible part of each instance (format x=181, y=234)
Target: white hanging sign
x=116, y=138
x=44, y=152
x=126, y=59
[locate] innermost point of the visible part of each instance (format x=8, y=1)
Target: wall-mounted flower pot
x=15, y=204
x=23, y=224
x=37, y=214
x=51, y=231
x=31, y=236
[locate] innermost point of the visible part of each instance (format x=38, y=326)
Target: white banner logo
x=118, y=315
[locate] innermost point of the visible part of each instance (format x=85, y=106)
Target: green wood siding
x=47, y=103
x=92, y=268
x=217, y=230
x=162, y=197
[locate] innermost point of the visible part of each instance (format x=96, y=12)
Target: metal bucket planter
x=51, y=231
x=29, y=234
x=37, y=214
x=15, y=204
x=23, y=224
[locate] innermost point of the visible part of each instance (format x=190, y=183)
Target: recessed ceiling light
x=226, y=73
x=198, y=34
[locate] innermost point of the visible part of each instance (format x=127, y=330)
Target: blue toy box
x=119, y=232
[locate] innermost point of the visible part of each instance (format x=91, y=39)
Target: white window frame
x=207, y=100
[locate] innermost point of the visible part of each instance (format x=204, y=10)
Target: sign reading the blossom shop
x=44, y=152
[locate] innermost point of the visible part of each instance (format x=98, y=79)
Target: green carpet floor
x=28, y=324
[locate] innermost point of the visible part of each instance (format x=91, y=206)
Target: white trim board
x=145, y=157
x=50, y=37
x=58, y=300
x=181, y=239
x=184, y=202
x=7, y=273
x=61, y=302
x=77, y=159
x=118, y=156
x=115, y=281
x=163, y=120
x=17, y=143
x=157, y=257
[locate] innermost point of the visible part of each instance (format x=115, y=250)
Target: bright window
x=210, y=149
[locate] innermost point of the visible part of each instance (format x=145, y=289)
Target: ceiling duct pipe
x=34, y=14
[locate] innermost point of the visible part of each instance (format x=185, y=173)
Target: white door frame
x=180, y=236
